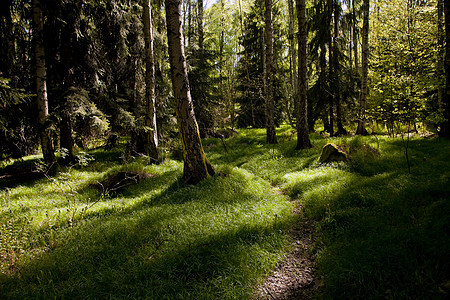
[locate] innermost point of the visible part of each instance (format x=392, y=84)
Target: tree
x=151, y=137
x=196, y=165
x=361, y=130
x=445, y=128
x=41, y=87
x=302, y=106
x=292, y=54
x=268, y=87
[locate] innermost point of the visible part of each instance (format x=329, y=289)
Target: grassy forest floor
x=379, y=231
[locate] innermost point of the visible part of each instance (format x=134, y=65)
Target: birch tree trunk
x=270, y=110
x=196, y=166
x=41, y=87
x=151, y=137
x=361, y=130
x=303, y=141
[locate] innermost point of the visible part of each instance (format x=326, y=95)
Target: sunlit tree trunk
x=365, y=70
x=41, y=86
x=303, y=141
x=151, y=137
x=270, y=109
x=196, y=166
x=445, y=128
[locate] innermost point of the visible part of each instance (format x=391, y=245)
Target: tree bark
x=200, y=25
x=41, y=87
x=151, y=137
x=445, y=127
x=337, y=72
x=270, y=109
x=355, y=37
x=303, y=141
x=330, y=68
x=292, y=51
x=441, y=53
x=196, y=166
x=361, y=130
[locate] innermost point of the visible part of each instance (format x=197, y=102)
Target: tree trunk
x=337, y=73
x=355, y=37
x=292, y=52
x=270, y=110
x=330, y=68
x=151, y=137
x=196, y=166
x=361, y=130
x=189, y=22
x=303, y=141
x=445, y=127
x=441, y=54
x=200, y=25
x=41, y=88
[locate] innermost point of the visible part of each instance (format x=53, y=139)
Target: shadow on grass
x=182, y=242
x=384, y=233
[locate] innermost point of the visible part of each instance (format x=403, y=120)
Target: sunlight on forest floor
x=381, y=230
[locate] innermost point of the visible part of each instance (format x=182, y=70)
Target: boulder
x=331, y=153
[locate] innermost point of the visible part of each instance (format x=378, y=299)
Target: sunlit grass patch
x=157, y=239
x=382, y=232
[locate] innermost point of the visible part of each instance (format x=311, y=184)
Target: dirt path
x=294, y=278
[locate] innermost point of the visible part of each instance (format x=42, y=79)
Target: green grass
x=382, y=232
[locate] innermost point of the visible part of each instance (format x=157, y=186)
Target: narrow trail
x=294, y=277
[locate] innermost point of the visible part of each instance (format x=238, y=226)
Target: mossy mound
x=116, y=182
x=331, y=153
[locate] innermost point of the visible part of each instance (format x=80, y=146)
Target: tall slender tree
x=151, y=138
x=268, y=88
x=441, y=52
x=337, y=72
x=445, y=128
x=196, y=165
x=365, y=70
x=292, y=52
x=41, y=87
x=303, y=141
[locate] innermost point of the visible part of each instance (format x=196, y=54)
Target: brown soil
x=294, y=278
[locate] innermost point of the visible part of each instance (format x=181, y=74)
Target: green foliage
x=16, y=122
x=251, y=68
x=404, y=73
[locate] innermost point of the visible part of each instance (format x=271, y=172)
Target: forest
x=236, y=149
